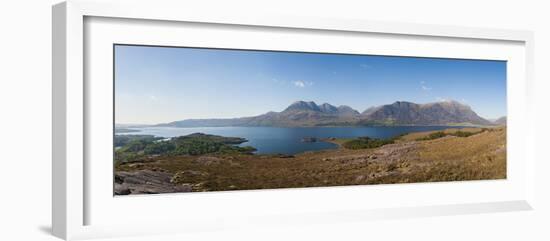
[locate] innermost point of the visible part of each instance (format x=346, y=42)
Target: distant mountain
x=345, y=110
x=310, y=114
x=207, y=122
x=124, y=125
x=500, y=121
x=299, y=113
x=408, y=113
x=302, y=113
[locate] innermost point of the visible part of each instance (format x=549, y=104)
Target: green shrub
x=463, y=133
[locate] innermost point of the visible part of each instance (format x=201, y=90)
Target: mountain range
x=308, y=113
x=500, y=121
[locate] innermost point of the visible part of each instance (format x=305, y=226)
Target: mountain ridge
x=500, y=121
x=309, y=113
x=435, y=113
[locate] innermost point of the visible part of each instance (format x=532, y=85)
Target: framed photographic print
x=265, y=129
x=271, y=118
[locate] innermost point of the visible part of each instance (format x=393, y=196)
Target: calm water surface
x=286, y=140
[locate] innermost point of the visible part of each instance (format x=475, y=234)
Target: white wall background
x=25, y=121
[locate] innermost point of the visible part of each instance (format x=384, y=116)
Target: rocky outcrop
x=146, y=182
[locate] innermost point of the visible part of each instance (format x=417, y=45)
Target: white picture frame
x=75, y=201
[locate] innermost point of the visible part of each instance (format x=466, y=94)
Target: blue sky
x=163, y=84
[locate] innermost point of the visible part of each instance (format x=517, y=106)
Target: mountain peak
x=436, y=113
x=346, y=110
x=450, y=104
x=403, y=103
x=308, y=113
x=325, y=108
x=328, y=108
x=451, y=101
x=303, y=105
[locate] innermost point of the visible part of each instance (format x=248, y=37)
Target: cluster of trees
x=136, y=148
x=366, y=142
x=122, y=140
x=459, y=133
x=433, y=136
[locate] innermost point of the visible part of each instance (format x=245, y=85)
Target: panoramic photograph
x=203, y=119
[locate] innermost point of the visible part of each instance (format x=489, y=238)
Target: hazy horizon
x=164, y=84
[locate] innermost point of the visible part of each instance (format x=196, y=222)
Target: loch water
x=287, y=140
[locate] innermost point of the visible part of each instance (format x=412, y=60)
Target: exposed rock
x=135, y=165
x=122, y=189
x=158, y=169
x=146, y=182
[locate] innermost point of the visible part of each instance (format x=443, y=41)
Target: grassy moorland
x=177, y=166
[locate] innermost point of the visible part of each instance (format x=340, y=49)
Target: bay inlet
x=287, y=140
